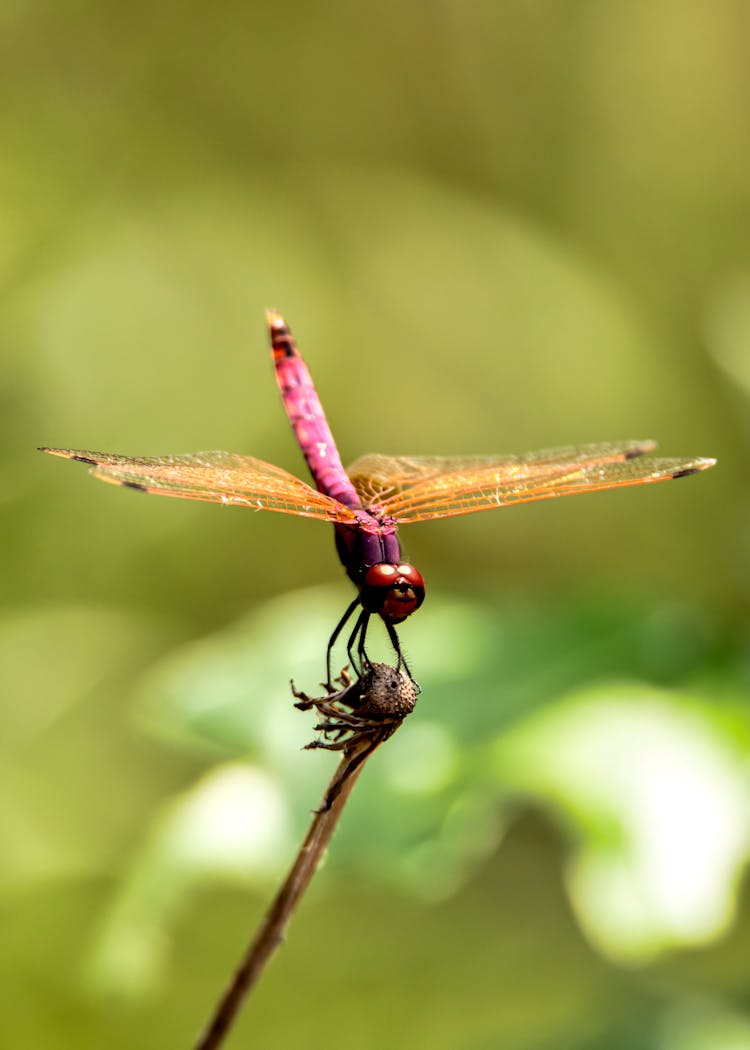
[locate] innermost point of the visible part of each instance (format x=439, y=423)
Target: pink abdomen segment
x=307, y=417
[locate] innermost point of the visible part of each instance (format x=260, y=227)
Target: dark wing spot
x=686, y=472
x=133, y=485
x=84, y=459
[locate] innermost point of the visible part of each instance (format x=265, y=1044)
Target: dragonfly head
x=394, y=591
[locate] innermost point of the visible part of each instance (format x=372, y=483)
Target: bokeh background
x=493, y=228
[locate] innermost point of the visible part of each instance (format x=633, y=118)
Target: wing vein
x=214, y=477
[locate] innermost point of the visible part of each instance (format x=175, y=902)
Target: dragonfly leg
x=364, y=663
x=360, y=629
x=397, y=648
x=332, y=641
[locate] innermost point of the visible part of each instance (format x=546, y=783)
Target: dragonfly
x=367, y=502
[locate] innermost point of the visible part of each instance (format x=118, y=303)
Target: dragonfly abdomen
x=306, y=415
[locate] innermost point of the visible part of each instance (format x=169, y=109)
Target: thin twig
x=379, y=701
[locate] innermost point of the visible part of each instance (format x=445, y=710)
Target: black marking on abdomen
x=285, y=343
x=281, y=339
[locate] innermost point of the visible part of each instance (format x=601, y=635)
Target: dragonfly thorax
x=394, y=591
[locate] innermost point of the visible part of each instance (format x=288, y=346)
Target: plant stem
x=356, y=721
x=271, y=931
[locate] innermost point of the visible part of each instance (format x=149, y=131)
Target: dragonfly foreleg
x=332, y=641
x=397, y=648
x=362, y=665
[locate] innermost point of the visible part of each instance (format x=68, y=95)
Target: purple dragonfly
x=367, y=502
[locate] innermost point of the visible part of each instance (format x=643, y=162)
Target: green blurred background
x=493, y=228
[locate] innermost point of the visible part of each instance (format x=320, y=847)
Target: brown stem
x=271, y=931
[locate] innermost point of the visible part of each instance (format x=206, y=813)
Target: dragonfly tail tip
x=274, y=319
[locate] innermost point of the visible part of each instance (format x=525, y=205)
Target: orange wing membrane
x=379, y=478
x=414, y=488
x=214, y=477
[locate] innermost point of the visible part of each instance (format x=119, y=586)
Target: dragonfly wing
x=214, y=477
x=380, y=479
x=484, y=486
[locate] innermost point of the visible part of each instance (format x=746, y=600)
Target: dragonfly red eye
x=380, y=575
x=412, y=575
x=394, y=591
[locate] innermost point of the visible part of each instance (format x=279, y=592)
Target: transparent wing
x=214, y=477
x=501, y=482
x=379, y=479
